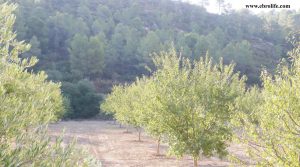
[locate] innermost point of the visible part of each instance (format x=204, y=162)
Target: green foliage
x=149, y=44
x=23, y=93
x=119, y=103
x=84, y=101
x=270, y=123
x=34, y=49
x=35, y=148
x=87, y=55
x=187, y=102
x=124, y=41
x=196, y=97
x=28, y=104
x=242, y=53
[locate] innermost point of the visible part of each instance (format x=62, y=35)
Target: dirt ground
x=115, y=148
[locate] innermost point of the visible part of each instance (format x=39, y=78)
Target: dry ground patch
x=114, y=148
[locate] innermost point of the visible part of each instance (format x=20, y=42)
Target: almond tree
x=123, y=103
x=271, y=123
x=196, y=98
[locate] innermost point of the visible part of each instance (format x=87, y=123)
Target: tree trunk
x=139, y=130
x=195, y=162
x=158, y=146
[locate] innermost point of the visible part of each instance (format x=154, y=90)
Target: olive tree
x=28, y=104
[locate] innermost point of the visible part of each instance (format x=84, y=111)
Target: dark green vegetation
x=82, y=98
x=109, y=41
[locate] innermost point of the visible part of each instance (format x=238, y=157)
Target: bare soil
x=115, y=148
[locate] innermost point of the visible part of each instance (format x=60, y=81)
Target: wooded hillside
x=90, y=45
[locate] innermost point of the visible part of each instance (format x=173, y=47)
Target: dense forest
x=91, y=45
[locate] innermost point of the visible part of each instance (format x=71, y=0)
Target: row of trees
x=28, y=103
x=198, y=107
x=186, y=103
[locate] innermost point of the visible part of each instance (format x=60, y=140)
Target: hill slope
x=91, y=45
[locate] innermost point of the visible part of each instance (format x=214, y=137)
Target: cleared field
x=115, y=148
